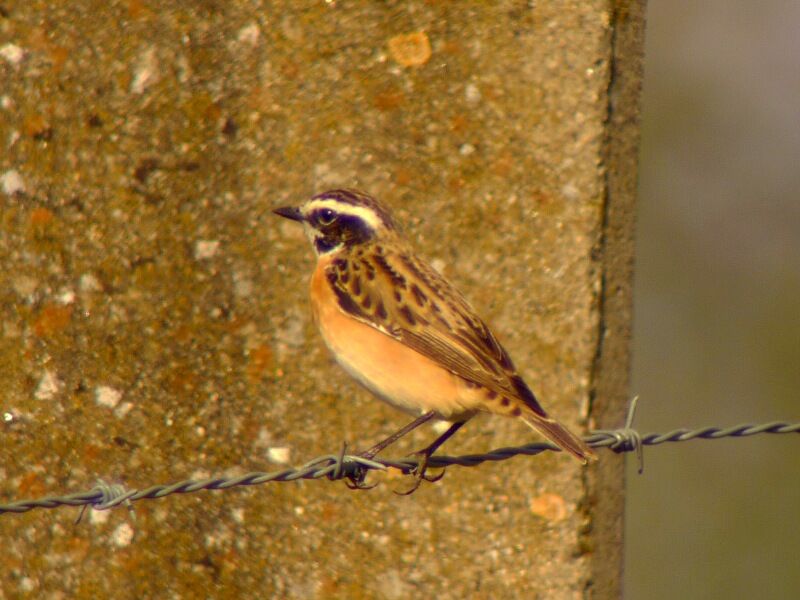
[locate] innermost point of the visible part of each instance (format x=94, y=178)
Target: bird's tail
x=559, y=435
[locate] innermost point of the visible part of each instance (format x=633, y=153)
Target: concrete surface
x=154, y=316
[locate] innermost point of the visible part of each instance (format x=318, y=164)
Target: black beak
x=289, y=212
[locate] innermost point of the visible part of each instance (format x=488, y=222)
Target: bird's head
x=340, y=219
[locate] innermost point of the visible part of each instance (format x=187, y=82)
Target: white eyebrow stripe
x=366, y=214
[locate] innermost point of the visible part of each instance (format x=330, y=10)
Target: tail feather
x=559, y=435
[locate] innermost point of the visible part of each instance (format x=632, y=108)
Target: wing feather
x=402, y=296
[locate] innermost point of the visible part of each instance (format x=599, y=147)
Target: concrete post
x=155, y=316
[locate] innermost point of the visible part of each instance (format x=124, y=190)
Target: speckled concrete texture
x=154, y=319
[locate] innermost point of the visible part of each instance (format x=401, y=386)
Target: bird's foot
x=356, y=480
x=420, y=473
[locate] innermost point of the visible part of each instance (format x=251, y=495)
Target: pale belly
x=392, y=371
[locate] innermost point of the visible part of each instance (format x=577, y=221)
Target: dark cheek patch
x=352, y=230
x=347, y=230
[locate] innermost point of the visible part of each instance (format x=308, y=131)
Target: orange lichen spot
x=52, y=319
x=78, y=547
x=91, y=453
x=251, y=428
x=452, y=47
x=37, y=39
x=137, y=9
x=455, y=183
x=546, y=203
x=503, y=164
x=128, y=558
x=290, y=69
x=459, y=123
x=541, y=198
x=388, y=100
x=31, y=485
x=403, y=176
x=330, y=512
x=58, y=55
x=260, y=359
x=183, y=333
x=40, y=217
x=181, y=380
x=549, y=506
x=329, y=586
x=410, y=49
x=261, y=99
x=230, y=562
x=235, y=324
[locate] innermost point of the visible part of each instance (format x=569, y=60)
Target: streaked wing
x=407, y=299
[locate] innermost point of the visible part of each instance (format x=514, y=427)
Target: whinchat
x=403, y=331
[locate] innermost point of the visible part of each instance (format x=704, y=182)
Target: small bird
x=403, y=331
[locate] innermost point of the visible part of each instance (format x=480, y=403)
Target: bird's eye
x=326, y=216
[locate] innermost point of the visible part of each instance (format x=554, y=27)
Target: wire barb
x=353, y=469
x=627, y=439
x=109, y=495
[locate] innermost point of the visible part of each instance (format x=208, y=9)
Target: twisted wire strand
x=345, y=466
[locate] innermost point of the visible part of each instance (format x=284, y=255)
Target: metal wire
x=345, y=466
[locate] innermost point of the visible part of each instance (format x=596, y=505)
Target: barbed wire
x=354, y=468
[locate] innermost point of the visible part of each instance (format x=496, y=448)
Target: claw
x=410, y=491
x=420, y=473
x=355, y=481
x=355, y=484
x=433, y=478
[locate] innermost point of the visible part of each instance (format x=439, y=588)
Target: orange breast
x=391, y=370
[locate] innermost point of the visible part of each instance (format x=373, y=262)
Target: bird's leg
x=397, y=435
x=357, y=479
x=425, y=454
